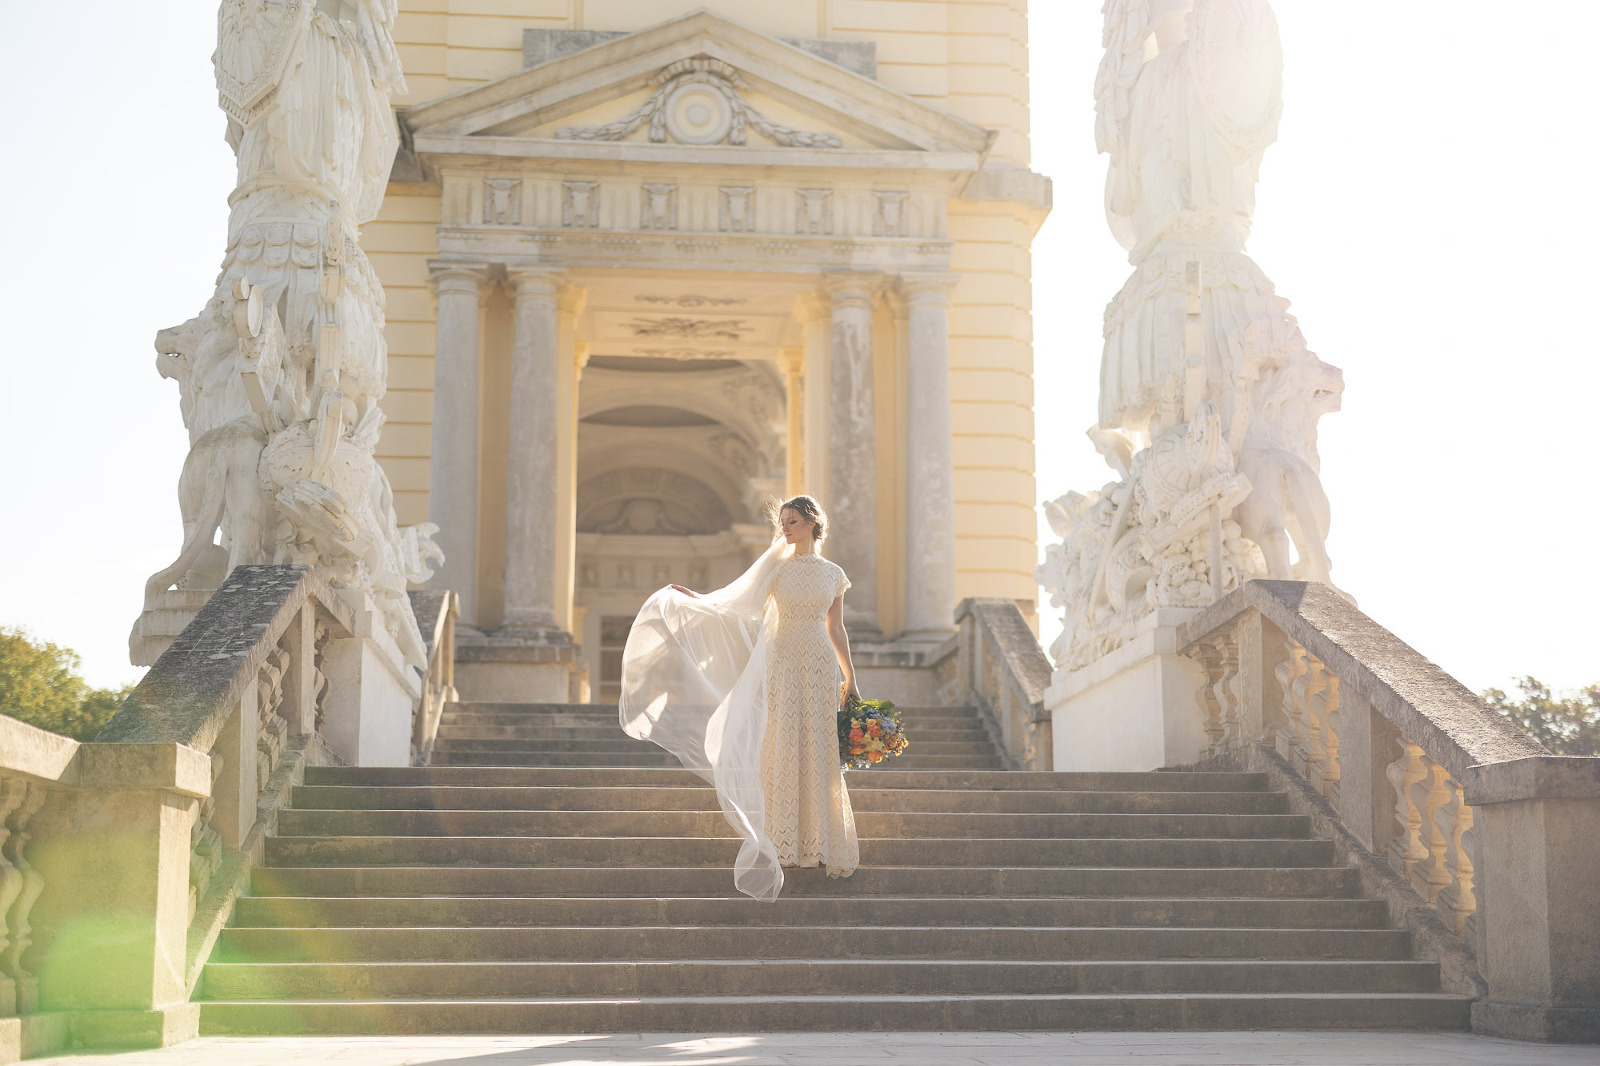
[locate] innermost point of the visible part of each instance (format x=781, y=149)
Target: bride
x=742, y=685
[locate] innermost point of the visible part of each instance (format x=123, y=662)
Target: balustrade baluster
x=13, y=791
x=21, y=929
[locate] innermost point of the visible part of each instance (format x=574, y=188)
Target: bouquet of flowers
x=869, y=732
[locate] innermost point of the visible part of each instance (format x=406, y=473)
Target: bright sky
x=1429, y=209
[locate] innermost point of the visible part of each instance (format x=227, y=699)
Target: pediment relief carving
x=700, y=100
x=700, y=80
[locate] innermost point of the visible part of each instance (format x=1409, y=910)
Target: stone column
x=852, y=502
x=453, y=466
x=930, y=460
x=815, y=317
x=532, y=468
x=793, y=398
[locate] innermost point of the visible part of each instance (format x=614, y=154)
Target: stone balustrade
x=996, y=665
x=1481, y=841
x=120, y=859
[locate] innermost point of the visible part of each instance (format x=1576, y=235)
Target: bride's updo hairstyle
x=808, y=509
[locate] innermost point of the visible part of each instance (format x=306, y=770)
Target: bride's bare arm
x=841, y=645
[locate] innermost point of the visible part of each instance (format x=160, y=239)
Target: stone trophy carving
x=1209, y=398
x=281, y=375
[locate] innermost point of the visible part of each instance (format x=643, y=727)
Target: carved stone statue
x=1209, y=398
x=281, y=375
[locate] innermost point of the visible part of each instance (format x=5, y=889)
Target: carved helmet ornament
x=699, y=101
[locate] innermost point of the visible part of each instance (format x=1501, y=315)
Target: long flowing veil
x=694, y=681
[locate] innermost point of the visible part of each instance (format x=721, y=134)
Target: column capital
x=854, y=287
x=572, y=298
x=926, y=286
x=810, y=307
x=535, y=279
x=450, y=275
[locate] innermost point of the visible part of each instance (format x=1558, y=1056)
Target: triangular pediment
x=698, y=80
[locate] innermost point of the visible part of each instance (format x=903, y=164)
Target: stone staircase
x=587, y=734
x=572, y=896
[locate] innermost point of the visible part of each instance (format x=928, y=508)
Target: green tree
x=1567, y=723
x=39, y=684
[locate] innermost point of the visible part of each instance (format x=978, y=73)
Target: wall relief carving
x=691, y=328
x=699, y=101
x=502, y=201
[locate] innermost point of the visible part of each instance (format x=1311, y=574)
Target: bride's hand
x=686, y=592
x=850, y=689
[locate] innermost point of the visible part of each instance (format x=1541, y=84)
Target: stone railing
x=1000, y=668
x=436, y=613
x=1482, y=842
x=122, y=857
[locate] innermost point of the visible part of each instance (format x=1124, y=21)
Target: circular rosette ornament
x=698, y=113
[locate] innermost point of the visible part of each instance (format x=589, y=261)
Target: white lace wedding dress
x=742, y=685
x=808, y=809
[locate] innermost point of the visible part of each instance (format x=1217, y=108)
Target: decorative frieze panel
x=539, y=207
x=813, y=211
x=580, y=204
x=890, y=220
x=737, y=212
x=502, y=201
x=659, y=206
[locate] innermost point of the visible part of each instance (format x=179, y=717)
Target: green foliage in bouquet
x=869, y=732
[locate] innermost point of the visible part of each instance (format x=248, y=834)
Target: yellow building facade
x=649, y=264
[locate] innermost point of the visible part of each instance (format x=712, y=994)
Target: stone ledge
x=1550, y=1025
x=501, y=650
x=157, y=1028
x=173, y=767
x=1537, y=777
x=38, y=752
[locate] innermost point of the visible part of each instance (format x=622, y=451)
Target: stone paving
x=866, y=1049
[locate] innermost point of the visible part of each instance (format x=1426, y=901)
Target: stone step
x=610, y=729
x=377, y=911
x=862, y=798
x=676, y=777
x=852, y=941
x=533, y=710
x=622, y=852
x=618, y=741
x=918, y=760
x=621, y=742
x=716, y=1014
x=603, y=760
x=495, y=980
x=1306, y=882
x=600, y=760
x=907, y=826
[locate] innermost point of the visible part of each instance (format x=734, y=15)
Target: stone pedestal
x=372, y=692
x=110, y=933
x=159, y=625
x=1133, y=708
x=508, y=670
x=1538, y=826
